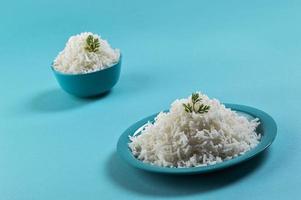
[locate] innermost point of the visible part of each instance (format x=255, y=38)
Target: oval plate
x=267, y=128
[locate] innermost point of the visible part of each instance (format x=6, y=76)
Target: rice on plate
x=196, y=131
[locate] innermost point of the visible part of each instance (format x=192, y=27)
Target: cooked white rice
x=75, y=59
x=181, y=139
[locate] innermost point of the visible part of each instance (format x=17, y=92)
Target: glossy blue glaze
x=267, y=128
x=90, y=84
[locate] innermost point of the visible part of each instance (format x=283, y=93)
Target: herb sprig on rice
x=196, y=107
x=92, y=44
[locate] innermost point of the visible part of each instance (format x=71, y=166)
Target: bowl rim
x=89, y=73
x=268, y=136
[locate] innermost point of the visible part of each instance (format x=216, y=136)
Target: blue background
x=55, y=146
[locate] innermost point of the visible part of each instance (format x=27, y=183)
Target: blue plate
x=267, y=128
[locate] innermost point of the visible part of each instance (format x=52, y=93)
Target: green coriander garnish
x=92, y=44
x=195, y=99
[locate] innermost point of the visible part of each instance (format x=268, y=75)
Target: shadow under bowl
x=89, y=84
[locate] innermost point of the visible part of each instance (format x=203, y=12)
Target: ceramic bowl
x=89, y=84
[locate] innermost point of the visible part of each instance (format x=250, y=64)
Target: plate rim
x=268, y=136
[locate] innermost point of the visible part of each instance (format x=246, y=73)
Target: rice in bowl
x=85, y=53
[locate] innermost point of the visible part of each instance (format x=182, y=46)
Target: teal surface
x=55, y=146
x=90, y=84
x=267, y=129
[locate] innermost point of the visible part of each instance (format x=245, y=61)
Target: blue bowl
x=90, y=84
x=267, y=129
